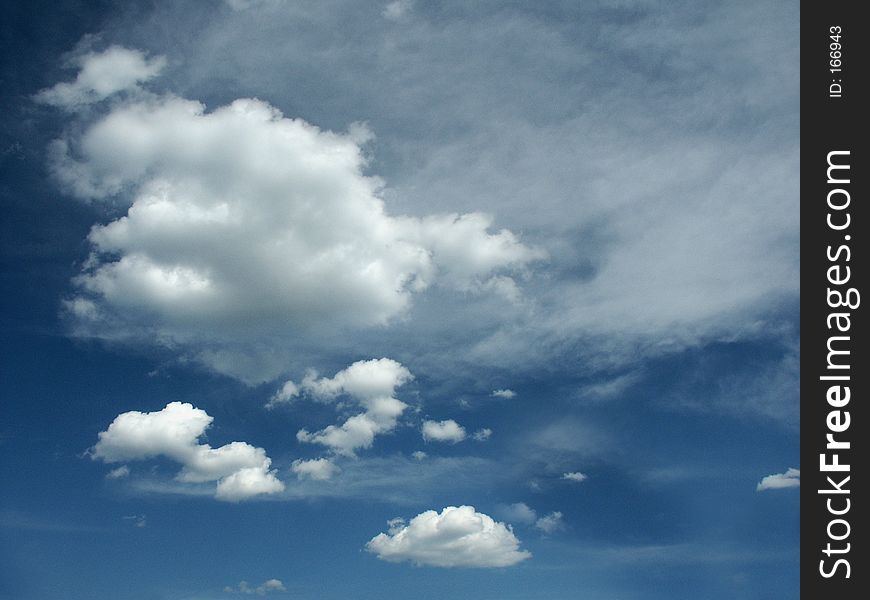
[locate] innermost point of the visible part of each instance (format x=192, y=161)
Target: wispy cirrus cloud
x=394, y=478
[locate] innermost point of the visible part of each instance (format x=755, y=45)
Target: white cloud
x=120, y=472
x=102, y=74
x=507, y=394
x=551, y=522
x=241, y=470
x=519, y=512
x=372, y=383
x=248, y=482
x=419, y=455
x=205, y=463
x=319, y=469
x=134, y=435
x=791, y=478
x=574, y=476
x=455, y=537
x=271, y=585
x=481, y=435
x=443, y=431
x=285, y=395
x=364, y=380
x=242, y=223
x=358, y=431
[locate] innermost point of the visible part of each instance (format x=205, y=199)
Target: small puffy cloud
x=319, y=469
x=172, y=431
x=364, y=380
x=574, y=476
x=247, y=483
x=209, y=464
x=241, y=470
x=551, y=522
x=102, y=74
x=455, y=537
x=118, y=473
x=372, y=384
x=285, y=395
x=358, y=431
x=481, y=435
x=506, y=394
x=419, y=455
x=271, y=585
x=519, y=512
x=443, y=431
x=791, y=478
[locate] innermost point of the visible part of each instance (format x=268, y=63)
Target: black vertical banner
x=834, y=263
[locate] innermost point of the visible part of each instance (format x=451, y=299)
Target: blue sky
x=374, y=300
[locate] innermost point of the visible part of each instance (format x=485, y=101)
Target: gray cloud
x=650, y=148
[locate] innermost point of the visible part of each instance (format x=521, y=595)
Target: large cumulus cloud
x=240, y=221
